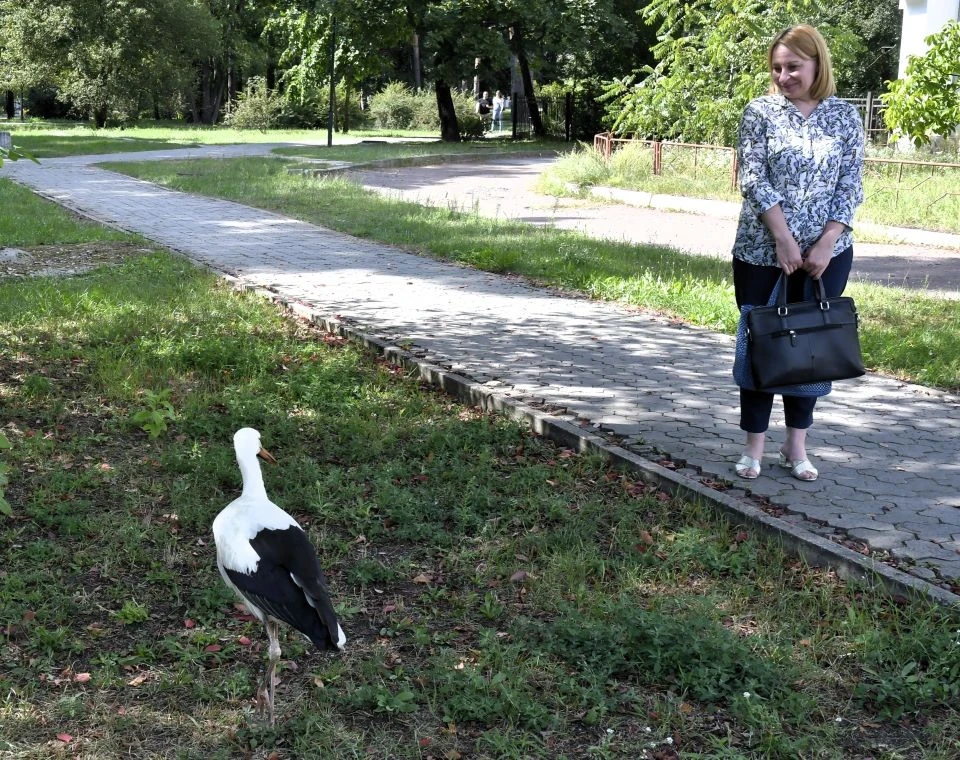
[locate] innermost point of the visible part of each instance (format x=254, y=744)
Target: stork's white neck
x=252, y=477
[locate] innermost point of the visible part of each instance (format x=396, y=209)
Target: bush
x=256, y=107
x=393, y=107
x=926, y=102
x=307, y=108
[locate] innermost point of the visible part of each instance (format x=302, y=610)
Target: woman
x=498, y=104
x=800, y=150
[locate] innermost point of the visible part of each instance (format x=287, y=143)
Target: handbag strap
x=779, y=294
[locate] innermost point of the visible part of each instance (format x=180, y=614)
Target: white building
x=921, y=18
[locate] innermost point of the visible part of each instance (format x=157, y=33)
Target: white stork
x=264, y=555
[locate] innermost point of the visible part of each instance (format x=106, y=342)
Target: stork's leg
x=273, y=634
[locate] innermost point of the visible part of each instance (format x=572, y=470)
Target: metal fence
x=567, y=118
x=871, y=110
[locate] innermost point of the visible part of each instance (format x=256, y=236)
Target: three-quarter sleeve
x=848, y=194
x=753, y=173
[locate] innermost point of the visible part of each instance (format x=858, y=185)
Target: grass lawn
x=503, y=597
x=49, y=140
x=904, y=333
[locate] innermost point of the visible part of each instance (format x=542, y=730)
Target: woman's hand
x=817, y=258
x=789, y=255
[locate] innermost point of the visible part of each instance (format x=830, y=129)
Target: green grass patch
x=503, y=597
x=28, y=221
x=51, y=140
x=693, y=288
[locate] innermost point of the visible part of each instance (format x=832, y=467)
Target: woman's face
x=792, y=73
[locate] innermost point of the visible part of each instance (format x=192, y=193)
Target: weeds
x=156, y=414
x=5, y=507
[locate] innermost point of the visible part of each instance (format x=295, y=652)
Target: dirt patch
x=65, y=260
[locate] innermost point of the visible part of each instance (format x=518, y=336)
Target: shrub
x=393, y=107
x=307, y=107
x=256, y=107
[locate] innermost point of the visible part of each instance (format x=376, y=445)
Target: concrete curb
x=813, y=549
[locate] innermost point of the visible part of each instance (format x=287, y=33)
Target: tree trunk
x=535, y=121
x=517, y=46
x=211, y=92
x=233, y=81
x=10, y=104
x=417, y=78
x=449, y=126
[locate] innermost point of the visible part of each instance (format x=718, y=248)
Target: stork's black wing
x=289, y=585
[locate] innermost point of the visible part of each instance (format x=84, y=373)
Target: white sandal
x=747, y=467
x=801, y=469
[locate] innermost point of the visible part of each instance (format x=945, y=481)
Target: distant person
x=484, y=107
x=498, y=106
x=800, y=151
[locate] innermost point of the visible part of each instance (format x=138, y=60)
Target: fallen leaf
x=138, y=681
x=646, y=537
x=519, y=577
x=65, y=738
x=423, y=578
x=212, y=648
x=244, y=641
x=273, y=755
x=318, y=682
x=425, y=741
x=81, y=677
x=389, y=608
x=189, y=623
x=29, y=615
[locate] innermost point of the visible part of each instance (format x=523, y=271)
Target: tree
x=711, y=61
x=365, y=30
x=926, y=101
x=105, y=57
x=877, y=24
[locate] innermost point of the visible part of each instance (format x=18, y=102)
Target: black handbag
x=805, y=342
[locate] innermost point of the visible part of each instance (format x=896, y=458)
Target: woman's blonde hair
x=807, y=42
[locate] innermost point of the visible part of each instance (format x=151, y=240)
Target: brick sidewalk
x=887, y=451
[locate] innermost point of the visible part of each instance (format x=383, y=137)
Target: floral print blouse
x=811, y=166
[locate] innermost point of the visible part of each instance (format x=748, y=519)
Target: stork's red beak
x=266, y=455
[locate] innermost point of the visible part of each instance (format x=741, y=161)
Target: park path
x=887, y=450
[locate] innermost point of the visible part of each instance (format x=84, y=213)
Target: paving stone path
x=888, y=452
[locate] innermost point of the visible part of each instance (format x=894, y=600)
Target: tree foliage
x=106, y=58
x=711, y=61
x=926, y=101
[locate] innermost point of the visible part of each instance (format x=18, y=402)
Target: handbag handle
x=780, y=294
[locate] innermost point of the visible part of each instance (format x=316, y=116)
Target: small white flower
x=668, y=740
x=647, y=729
x=610, y=731
x=838, y=719
x=746, y=695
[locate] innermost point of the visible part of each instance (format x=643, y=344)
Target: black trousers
x=753, y=285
